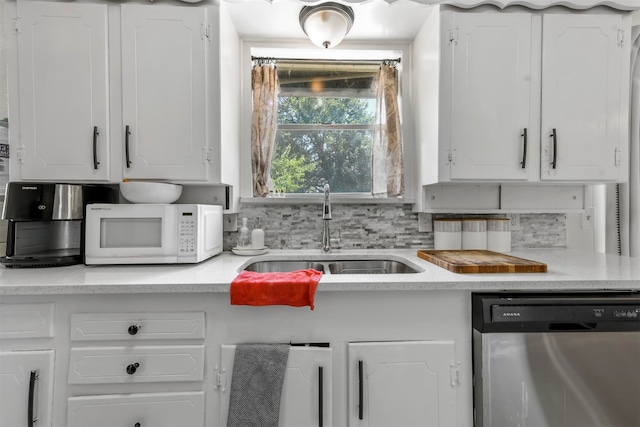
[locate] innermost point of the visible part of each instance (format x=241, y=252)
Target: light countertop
x=567, y=270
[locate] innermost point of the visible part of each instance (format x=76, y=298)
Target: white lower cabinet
x=406, y=384
x=26, y=388
x=184, y=409
x=306, y=390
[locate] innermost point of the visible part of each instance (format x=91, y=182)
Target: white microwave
x=152, y=234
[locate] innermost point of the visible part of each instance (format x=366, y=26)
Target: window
x=326, y=117
x=326, y=121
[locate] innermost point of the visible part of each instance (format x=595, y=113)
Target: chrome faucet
x=326, y=217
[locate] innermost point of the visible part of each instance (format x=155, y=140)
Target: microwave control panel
x=187, y=236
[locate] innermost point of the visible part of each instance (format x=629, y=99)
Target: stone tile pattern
x=370, y=226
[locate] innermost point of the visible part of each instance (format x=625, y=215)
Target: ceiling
x=374, y=20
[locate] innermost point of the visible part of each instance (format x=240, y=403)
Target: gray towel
x=256, y=385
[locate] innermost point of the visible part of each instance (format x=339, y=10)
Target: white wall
x=635, y=18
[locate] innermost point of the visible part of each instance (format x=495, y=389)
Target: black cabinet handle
x=523, y=163
x=554, y=135
x=131, y=369
x=134, y=329
x=95, y=147
x=137, y=425
x=360, y=391
x=127, y=132
x=32, y=389
x=320, y=395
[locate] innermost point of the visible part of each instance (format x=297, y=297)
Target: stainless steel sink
x=370, y=266
x=335, y=266
x=283, y=266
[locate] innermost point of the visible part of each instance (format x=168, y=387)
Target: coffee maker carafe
x=46, y=222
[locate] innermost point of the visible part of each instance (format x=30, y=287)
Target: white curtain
x=264, y=122
x=628, y=194
x=387, y=163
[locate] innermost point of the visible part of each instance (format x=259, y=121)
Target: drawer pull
x=31, y=419
x=137, y=425
x=133, y=329
x=360, y=390
x=131, y=369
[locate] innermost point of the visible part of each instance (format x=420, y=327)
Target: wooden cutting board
x=481, y=261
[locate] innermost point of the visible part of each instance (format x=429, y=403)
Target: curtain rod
x=268, y=59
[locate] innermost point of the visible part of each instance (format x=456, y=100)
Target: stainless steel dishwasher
x=561, y=360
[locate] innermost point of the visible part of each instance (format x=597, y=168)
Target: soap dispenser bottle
x=243, y=236
x=257, y=236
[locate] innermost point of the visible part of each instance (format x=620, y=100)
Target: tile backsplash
x=367, y=226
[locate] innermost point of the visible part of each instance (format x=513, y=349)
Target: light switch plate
x=230, y=222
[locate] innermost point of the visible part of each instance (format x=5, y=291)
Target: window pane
x=326, y=112
x=304, y=160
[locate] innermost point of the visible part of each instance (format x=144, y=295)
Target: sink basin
x=282, y=266
x=334, y=266
x=370, y=266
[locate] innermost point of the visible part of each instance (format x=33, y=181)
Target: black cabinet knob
x=133, y=329
x=137, y=425
x=131, y=369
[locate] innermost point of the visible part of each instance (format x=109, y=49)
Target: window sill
x=319, y=198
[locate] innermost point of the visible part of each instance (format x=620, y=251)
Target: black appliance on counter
x=46, y=222
x=556, y=359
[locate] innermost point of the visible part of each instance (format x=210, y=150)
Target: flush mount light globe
x=326, y=24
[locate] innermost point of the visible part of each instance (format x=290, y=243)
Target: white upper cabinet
x=492, y=87
x=106, y=91
x=163, y=92
x=585, y=84
x=63, y=92
x=490, y=96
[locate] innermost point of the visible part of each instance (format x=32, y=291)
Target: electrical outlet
x=425, y=222
x=514, y=222
x=230, y=222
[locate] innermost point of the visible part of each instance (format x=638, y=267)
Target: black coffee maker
x=46, y=222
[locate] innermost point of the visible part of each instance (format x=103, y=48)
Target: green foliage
x=288, y=172
x=304, y=160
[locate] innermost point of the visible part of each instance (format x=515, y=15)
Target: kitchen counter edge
x=568, y=270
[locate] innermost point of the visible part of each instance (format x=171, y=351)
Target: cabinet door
x=490, y=95
x=17, y=385
x=585, y=89
x=163, y=92
x=306, y=390
x=401, y=384
x=63, y=102
x=184, y=409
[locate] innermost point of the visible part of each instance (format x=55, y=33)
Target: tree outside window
x=326, y=113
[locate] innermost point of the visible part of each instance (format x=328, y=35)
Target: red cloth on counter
x=296, y=288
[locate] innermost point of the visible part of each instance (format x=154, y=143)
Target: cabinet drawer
x=145, y=409
x=136, y=326
x=26, y=320
x=101, y=365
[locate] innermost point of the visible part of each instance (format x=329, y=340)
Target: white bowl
x=150, y=192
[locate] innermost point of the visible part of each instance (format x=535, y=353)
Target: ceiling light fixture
x=326, y=24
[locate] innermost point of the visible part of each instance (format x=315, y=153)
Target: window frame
x=346, y=51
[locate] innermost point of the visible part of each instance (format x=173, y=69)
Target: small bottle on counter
x=257, y=236
x=243, y=235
